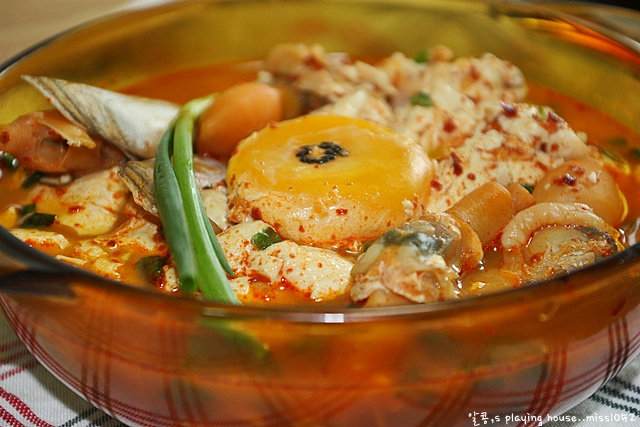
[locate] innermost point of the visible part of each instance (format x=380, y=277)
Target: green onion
x=37, y=220
x=199, y=259
x=150, y=267
x=611, y=155
x=528, y=187
x=635, y=153
x=32, y=179
x=265, y=238
x=9, y=161
x=618, y=141
x=29, y=218
x=544, y=113
x=421, y=98
x=421, y=57
x=27, y=209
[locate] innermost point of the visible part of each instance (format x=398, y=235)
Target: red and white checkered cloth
x=31, y=397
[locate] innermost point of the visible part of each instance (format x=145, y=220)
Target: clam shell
x=134, y=124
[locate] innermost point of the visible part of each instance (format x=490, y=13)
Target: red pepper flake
x=553, y=122
x=509, y=110
x=436, y=185
x=449, y=125
x=474, y=73
x=342, y=211
x=75, y=209
x=578, y=170
x=256, y=214
x=471, y=176
x=457, y=164
x=301, y=228
x=544, y=147
x=566, y=179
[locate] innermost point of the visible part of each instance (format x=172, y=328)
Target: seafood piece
x=133, y=124
x=137, y=176
x=584, y=181
x=553, y=238
x=319, y=273
x=48, y=142
x=422, y=260
x=419, y=261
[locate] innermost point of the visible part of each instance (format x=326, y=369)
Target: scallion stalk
x=199, y=259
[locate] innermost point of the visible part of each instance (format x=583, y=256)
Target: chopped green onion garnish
x=611, y=155
x=544, y=113
x=635, y=153
x=32, y=179
x=421, y=98
x=9, y=160
x=421, y=57
x=27, y=209
x=618, y=141
x=200, y=262
x=265, y=238
x=36, y=220
x=150, y=267
x=528, y=187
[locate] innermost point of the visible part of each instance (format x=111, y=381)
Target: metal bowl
x=151, y=359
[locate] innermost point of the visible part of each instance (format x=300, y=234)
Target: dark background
x=627, y=4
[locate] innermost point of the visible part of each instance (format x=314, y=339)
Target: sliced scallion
x=150, y=267
x=32, y=179
x=37, y=220
x=421, y=98
x=265, y=238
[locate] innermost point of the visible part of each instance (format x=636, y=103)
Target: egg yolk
x=327, y=180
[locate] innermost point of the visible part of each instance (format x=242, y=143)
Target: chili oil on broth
x=181, y=86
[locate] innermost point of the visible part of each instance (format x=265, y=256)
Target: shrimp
x=47, y=142
x=132, y=123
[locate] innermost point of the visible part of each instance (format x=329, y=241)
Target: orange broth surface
x=181, y=86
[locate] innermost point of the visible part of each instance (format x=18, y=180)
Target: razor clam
x=137, y=176
x=132, y=123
